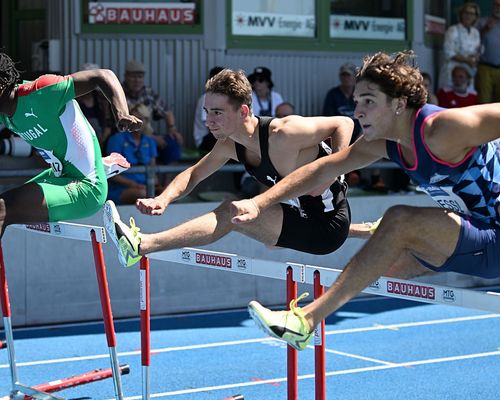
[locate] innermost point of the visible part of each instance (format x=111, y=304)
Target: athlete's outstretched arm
x=106, y=80
x=187, y=180
x=306, y=178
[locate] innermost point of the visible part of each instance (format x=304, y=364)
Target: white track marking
x=259, y=340
x=332, y=373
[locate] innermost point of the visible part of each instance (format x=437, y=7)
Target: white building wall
x=177, y=66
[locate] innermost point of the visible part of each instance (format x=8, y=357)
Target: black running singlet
x=266, y=173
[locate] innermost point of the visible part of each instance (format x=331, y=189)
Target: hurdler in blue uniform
x=453, y=156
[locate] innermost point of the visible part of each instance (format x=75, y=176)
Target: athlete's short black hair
x=9, y=74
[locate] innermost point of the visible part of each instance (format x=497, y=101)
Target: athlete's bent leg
x=22, y=205
x=429, y=233
x=212, y=226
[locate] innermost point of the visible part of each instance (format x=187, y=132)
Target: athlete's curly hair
x=9, y=74
x=396, y=76
x=233, y=84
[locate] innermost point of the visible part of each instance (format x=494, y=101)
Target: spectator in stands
x=459, y=94
x=339, y=100
x=488, y=73
x=139, y=148
x=264, y=98
x=285, y=109
x=462, y=43
x=431, y=97
x=97, y=110
x=203, y=138
x=169, y=145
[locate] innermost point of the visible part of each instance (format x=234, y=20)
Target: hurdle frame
x=96, y=235
x=293, y=273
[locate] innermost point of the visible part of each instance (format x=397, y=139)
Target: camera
x=15, y=147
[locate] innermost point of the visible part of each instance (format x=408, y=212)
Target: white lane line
x=311, y=376
x=138, y=352
x=350, y=355
x=412, y=324
x=259, y=340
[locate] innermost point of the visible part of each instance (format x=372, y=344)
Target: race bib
x=446, y=198
x=54, y=162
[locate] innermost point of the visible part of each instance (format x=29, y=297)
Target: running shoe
x=115, y=164
x=290, y=326
x=126, y=239
x=373, y=225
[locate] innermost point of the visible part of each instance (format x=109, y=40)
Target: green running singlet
x=48, y=118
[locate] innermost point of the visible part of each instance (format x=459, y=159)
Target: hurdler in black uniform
x=312, y=224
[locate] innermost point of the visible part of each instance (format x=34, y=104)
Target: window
x=288, y=18
x=153, y=16
x=435, y=12
x=376, y=19
x=319, y=25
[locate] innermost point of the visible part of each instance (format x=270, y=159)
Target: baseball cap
x=348, y=68
x=261, y=73
x=134, y=66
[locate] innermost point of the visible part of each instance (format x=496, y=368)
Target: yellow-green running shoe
x=290, y=326
x=373, y=225
x=126, y=238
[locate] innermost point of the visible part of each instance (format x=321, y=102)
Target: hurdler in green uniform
x=45, y=114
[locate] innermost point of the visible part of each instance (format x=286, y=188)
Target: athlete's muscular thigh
x=427, y=232
x=25, y=204
x=266, y=228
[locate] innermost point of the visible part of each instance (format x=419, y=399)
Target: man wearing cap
x=138, y=93
x=339, y=100
x=264, y=98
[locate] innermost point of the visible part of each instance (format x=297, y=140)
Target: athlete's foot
x=126, y=239
x=290, y=326
x=363, y=230
x=115, y=164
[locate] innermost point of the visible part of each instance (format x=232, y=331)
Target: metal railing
x=152, y=171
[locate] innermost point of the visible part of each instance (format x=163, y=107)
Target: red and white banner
x=271, y=24
x=141, y=13
x=435, y=25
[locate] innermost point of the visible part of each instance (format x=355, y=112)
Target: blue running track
x=377, y=348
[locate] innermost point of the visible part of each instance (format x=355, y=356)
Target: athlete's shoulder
x=41, y=82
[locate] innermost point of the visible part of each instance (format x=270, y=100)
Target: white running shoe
x=115, y=164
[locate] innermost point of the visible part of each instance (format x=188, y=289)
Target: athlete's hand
x=244, y=211
x=128, y=122
x=151, y=206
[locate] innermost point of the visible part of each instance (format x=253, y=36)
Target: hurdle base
x=44, y=390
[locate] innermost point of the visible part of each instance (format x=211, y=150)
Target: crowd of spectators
x=470, y=74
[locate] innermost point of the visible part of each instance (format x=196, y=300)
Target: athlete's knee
x=400, y=221
x=223, y=215
x=223, y=211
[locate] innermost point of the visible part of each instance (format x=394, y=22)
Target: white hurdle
x=97, y=236
x=295, y=273
x=304, y=273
